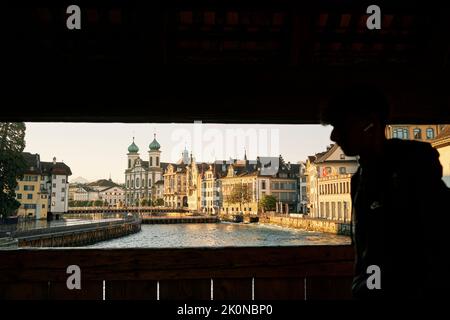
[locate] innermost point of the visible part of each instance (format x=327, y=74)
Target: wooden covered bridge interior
x=223, y=61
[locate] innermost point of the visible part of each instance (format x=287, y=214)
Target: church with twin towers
x=144, y=179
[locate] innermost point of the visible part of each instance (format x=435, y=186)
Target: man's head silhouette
x=358, y=116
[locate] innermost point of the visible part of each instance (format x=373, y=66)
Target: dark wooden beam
x=28, y=265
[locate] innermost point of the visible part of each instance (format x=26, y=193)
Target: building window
x=63, y=180
x=151, y=161
x=339, y=210
x=28, y=188
x=400, y=133
x=54, y=185
x=263, y=185
x=417, y=133
x=333, y=210
x=157, y=161
x=405, y=134
x=342, y=170
x=63, y=189
x=19, y=196
x=43, y=206
x=30, y=196
x=430, y=133
x=54, y=176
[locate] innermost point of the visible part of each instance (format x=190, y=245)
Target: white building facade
x=113, y=196
x=141, y=176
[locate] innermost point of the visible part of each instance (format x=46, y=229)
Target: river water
x=222, y=234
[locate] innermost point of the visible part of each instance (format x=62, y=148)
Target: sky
x=97, y=150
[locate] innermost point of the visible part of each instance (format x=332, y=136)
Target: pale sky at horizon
x=96, y=150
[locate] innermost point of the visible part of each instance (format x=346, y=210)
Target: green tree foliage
x=268, y=202
x=12, y=164
x=159, y=202
x=98, y=203
x=78, y=203
x=240, y=194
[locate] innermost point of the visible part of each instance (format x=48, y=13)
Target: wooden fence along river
x=238, y=273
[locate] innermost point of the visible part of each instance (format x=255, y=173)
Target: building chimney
x=54, y=160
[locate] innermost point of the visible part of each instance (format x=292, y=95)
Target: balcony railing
x=237, y=273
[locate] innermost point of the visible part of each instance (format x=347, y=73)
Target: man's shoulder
x=409, y=147
x=408, y=155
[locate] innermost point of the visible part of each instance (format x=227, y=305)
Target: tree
x=144, y=202
x=12, y=164
x=268, y=202
x=98, y=203
x=159, y=202
x=240, y=193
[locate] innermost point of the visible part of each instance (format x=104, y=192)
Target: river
x=222, y=234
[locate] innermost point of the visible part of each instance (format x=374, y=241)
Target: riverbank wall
x=310, y=224
x=78, y=235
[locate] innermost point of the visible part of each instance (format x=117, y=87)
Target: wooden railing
x=237, y=273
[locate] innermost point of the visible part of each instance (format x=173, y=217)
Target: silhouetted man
x=400, y=215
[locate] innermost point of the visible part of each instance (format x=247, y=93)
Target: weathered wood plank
x=178, y=263
x=90, y=290
x=131, y=290
x=279, y=289
x=232, y=289
x=328, y=288
x=24, y=291
x=187, y=289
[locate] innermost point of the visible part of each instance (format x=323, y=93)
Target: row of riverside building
x=319, y=186
x=204, y=187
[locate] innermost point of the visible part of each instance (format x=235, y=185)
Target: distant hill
x=103, y=183
x=79, y=180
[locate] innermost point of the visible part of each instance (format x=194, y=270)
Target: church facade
x=142, y=177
